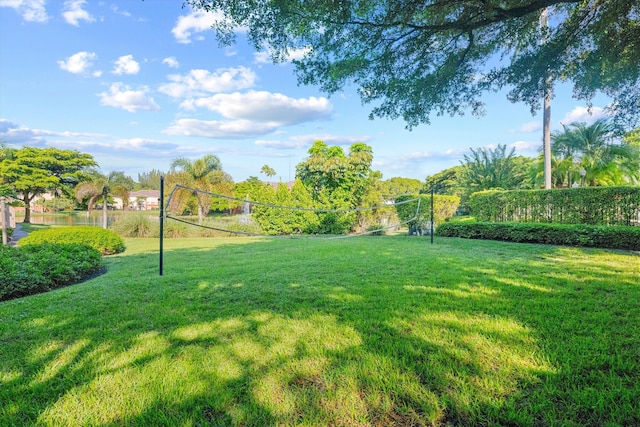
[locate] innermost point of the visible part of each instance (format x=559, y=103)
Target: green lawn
x=362, y=331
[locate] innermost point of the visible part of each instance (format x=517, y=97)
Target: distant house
x=143, y=200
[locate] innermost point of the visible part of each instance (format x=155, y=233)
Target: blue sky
x=137, y=84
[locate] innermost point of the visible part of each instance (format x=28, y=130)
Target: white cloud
x=195, y=22
x=583, y=114
x=138, y=144
x=203, y=82
x=265, y=56
x=78, y=63
x=122, y=96
x=281, y=145
x=116, y=9
x=531, y=127
x=265, y=107
x=220, y=129
x=73, y=12
x=171, y=61
x=126, y=65
x=13, y=133
x=526, y=146
x=30, y=10
x=330, y=139
x=262, y=57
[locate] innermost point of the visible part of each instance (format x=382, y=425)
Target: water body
x=70, y=218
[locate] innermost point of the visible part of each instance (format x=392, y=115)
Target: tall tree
x=337, y=181
x=199, y=174
x=268, y=171
x=415, y=58
x=487, y=169
x=397, y=186
x=444, y=182
x=31, y=171
x=98, y=186
x=595, y=150
x=150, y=180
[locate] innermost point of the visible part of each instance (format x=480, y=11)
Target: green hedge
x=613, y=237
x=444, y=207
x=105, y=241
x=42, y=267
x=590, y=205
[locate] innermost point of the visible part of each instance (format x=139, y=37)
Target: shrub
x=105, y=241
x=173, y=229
x=136, y=225
x=613, y=237
x=589, y=205
x=37, y=268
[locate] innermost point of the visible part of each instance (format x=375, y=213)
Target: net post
x=161, y=220
x=432, y=215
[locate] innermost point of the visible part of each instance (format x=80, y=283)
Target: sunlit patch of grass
x=366, y=331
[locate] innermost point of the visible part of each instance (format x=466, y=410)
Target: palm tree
x=487, y=169
x=99, y=186
x=592, y=148
x=199, y=174
x=268, y=170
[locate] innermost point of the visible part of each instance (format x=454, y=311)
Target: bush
x=37, y=268
x=613, y=237
x=136, y=225
x=589, y=205
x=105, y=241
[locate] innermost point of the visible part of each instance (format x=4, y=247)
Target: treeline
x=582, y=156
x=329, y=178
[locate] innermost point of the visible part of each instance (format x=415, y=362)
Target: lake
x=70, y=218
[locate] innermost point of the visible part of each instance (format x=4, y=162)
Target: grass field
x=353, y=332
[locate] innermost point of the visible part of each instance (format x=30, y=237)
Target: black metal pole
x=161, y=219
x=432, y=215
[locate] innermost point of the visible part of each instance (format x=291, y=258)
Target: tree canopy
x=30, y=171
x=593, y=150
x=202, y=174
x=416, y=58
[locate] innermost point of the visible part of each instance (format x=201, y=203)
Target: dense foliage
x=444, y=207
x=339, y=181
x=37, y=268
x=613, y=237
x=588, y=205
x=592, y=155
x=416, y=58
x=31, y=171
x=204, y=174
x=106, y=242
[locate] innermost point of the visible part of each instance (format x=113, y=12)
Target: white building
x=143, y=200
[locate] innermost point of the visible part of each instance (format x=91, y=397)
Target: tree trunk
x=27, y=207
x=546, y=117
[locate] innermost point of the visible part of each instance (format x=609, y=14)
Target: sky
x=137, y=84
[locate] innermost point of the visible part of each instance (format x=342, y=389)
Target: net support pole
x=161, y=220
x=432, y=215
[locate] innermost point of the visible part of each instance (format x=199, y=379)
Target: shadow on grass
x=364, y=332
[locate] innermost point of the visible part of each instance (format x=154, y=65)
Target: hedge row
x=39, y=268
x=589, y=205
x=105, y=241
x=614, y=237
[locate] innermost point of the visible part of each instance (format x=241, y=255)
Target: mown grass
x=362, y=331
